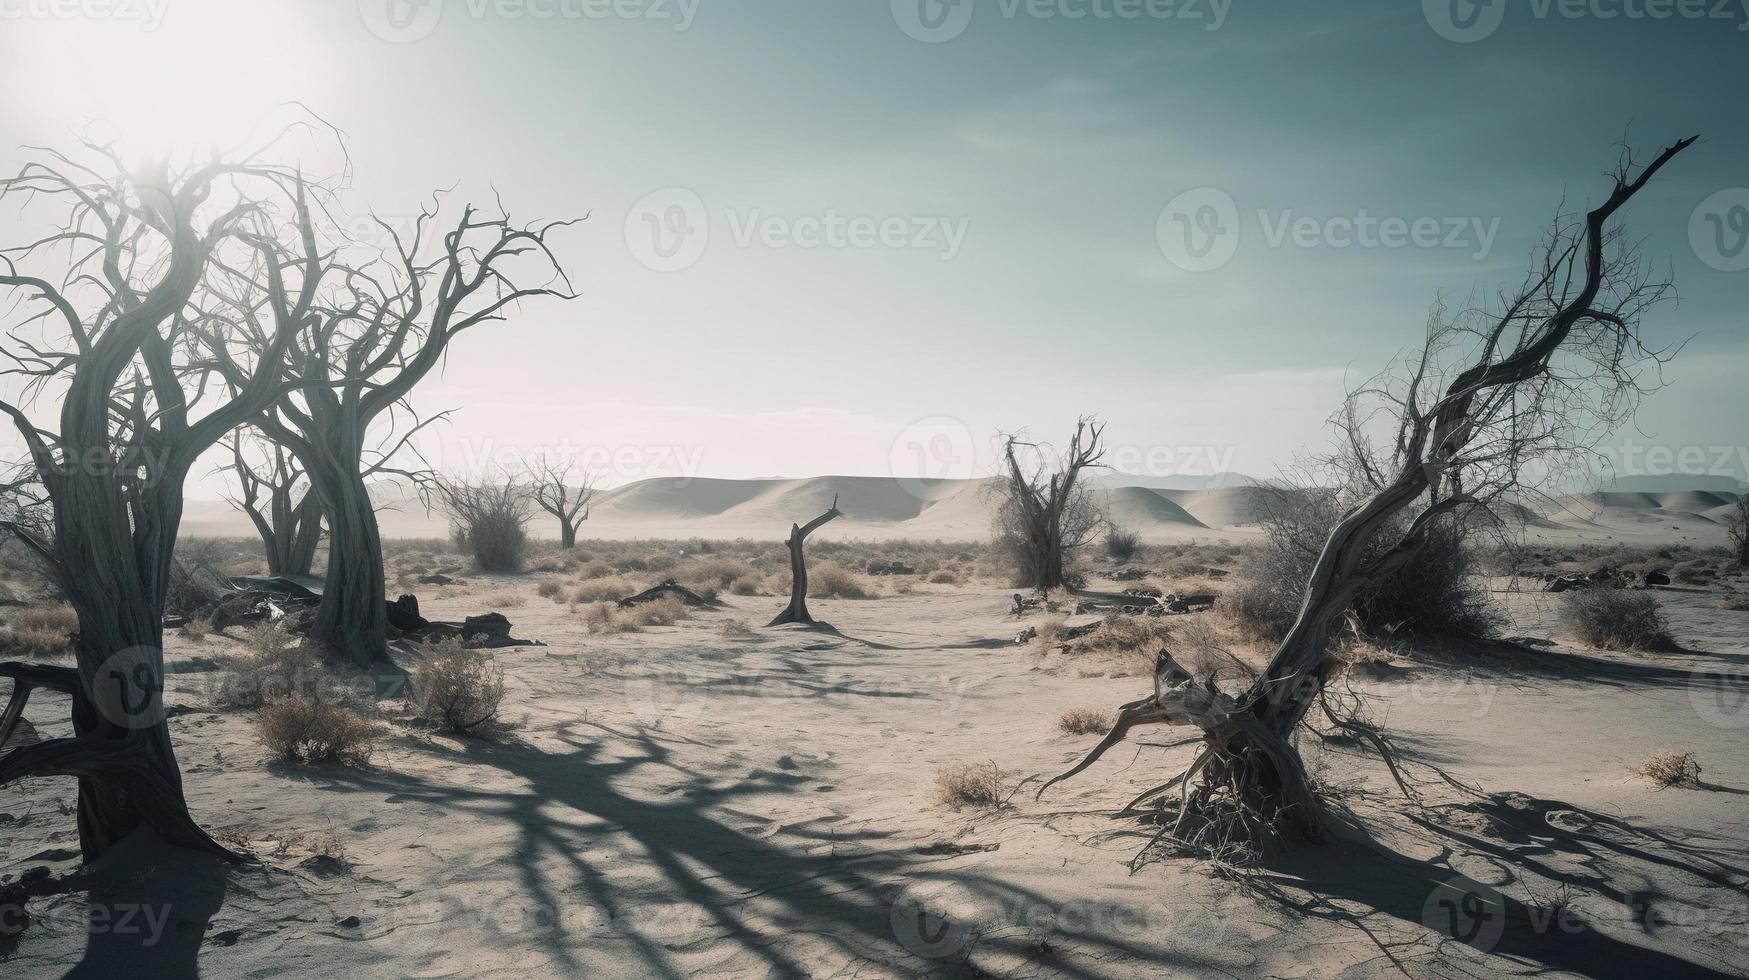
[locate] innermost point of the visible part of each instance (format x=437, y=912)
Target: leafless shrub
x=458, y=688
x=1617, y=619
x=1437, y=593
x=551, y=588
x=970, y=785
x=489, y=521
x=1670, y=769
x=276, y=664
x=1121, y=545
x=301, y=729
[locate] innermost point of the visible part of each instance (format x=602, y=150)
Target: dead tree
x=128, y=347
x=1537, y=377
x=1737, y=526
x=277, y=499
x=557, y=491
x=386, y=324
x=797, y=610
x=1046, y=513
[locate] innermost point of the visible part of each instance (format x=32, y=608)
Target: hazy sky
x=829, y=236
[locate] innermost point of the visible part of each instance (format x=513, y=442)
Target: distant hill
x=961, y=510
x=1662, y=484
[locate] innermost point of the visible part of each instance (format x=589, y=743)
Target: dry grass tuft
x=735, y=629
x=1670, y=769
x=40, y=633
x=1084, y=721
x=552, y=589
x=458, y=688
x=608, y=589
x=300, y=729
x=837, y=582
x=970, y=785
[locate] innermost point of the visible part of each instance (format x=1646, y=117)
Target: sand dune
x=961, y=510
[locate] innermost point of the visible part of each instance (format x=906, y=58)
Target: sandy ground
x=679, y=803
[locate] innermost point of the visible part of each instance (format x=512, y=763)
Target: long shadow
x=757, y=892
x=1520, y=831
x=148, y=909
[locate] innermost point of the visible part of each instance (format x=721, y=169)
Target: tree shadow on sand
x=1599, y=913
x=147, y=909
x=755, y=892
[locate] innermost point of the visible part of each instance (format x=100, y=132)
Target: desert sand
x=681, y=802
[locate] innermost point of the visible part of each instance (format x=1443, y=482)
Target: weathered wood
x=797, y=610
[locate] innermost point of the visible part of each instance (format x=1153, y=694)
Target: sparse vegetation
x=1084, y=721
x=1617, y=619
x=489, y=521
x=1670, y=769
x=1121, y=545
x=458, y=688
x=971, y=785
x=310, y=730
x=39, y=633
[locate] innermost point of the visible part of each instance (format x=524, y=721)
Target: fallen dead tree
x=1555, y=364
x=669, y=587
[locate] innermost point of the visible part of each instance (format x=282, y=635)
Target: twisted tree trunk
x=797, y=610
x=352, y=617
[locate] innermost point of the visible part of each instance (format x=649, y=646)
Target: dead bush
x=837, y=582
x=735, y=628
x=490, y=522
x=1121, y=545
x=277, y=664
x=970, y=785
x=552, y=589
x=944, y=577
x=1084, y=721
x=1438, y=593
x=604, y=617
x=458, y=688
x=1617, y=619
x=1671, y=769
x=301, y=729
x=665, y=611
x=603, y=590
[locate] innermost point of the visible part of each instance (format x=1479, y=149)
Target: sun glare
x=177, y=79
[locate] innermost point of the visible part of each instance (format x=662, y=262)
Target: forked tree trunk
x=797, y=610
x=290, y=533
